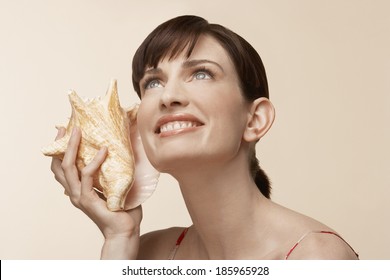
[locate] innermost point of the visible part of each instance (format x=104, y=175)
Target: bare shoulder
x=307, y=238
x=157, y=245
x=323, y=245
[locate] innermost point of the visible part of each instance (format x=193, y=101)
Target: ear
x=260, y=119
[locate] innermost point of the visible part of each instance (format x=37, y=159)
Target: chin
x=179, y=161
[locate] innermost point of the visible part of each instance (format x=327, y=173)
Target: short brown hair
x=180, y=34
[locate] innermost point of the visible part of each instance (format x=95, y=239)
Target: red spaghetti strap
x=181, y=237
x=331, y=232
x=292, y=249
x=320, y=231
x=296, y=244
x=177, y=245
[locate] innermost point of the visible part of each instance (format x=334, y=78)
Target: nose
x=174, y=95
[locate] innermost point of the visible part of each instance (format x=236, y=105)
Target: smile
x=176, y=123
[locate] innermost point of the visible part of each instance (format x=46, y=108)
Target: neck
x=226, y=208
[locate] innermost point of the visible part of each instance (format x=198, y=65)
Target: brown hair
x=180, y=34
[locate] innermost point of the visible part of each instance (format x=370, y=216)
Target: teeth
x=176, y=125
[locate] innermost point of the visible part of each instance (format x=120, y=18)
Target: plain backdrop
x=327, y=155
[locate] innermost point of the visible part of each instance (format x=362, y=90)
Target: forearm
x=120, y=248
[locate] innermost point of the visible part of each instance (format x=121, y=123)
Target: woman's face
x=192, y=111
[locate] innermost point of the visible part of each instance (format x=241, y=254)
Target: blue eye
x=202, y=75
x=152, y=84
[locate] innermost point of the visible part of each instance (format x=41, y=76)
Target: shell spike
x=105, y=123
x=111, y=91
x=112, y=96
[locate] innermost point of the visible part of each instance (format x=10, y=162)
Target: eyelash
x=149, y=80
x=203, y=69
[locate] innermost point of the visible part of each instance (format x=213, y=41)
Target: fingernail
x=74, y=130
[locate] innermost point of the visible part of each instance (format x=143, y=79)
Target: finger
x=58, y=172
x=89, y=199
x=56, y=162
x=89, y=171
x=61, y=132
x=69, y=162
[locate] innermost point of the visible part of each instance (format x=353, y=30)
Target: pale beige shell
x=103, y=122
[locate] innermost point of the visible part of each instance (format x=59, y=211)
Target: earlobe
x=260, y=119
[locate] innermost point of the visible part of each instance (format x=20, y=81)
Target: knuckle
x=53, y=168
x=57, y=177
x=85, y=172
x=55, y=165
x=75, y=201
x=88, y=171
x=65, y=165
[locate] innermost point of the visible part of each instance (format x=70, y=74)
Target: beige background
x=328, y=65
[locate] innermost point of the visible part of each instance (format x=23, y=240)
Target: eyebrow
x=196, y=62
x=152, y=71
x=186, y=64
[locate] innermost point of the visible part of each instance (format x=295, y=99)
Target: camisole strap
x=177, y=245
x=184, y=232
x=318, y=231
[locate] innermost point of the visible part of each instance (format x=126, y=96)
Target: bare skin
x=231, y=218
x=120, y=229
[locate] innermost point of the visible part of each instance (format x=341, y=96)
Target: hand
x=118, y=228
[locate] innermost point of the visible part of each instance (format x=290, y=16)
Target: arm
x=120, y=229
x=121, y=248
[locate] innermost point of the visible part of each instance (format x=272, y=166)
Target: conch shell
x=103, y=122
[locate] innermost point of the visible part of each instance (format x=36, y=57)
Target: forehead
x=206, y=48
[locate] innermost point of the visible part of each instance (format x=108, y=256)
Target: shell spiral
x=103, y=122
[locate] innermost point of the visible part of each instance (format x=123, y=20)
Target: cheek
x=229, y=129
x=229, y=108
x=228, y=123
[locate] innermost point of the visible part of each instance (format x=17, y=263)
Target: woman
x=204, y=105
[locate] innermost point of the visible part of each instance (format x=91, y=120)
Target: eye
x=202, y=75
x=153, y=83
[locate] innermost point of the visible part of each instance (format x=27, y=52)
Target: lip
x=176, y=117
